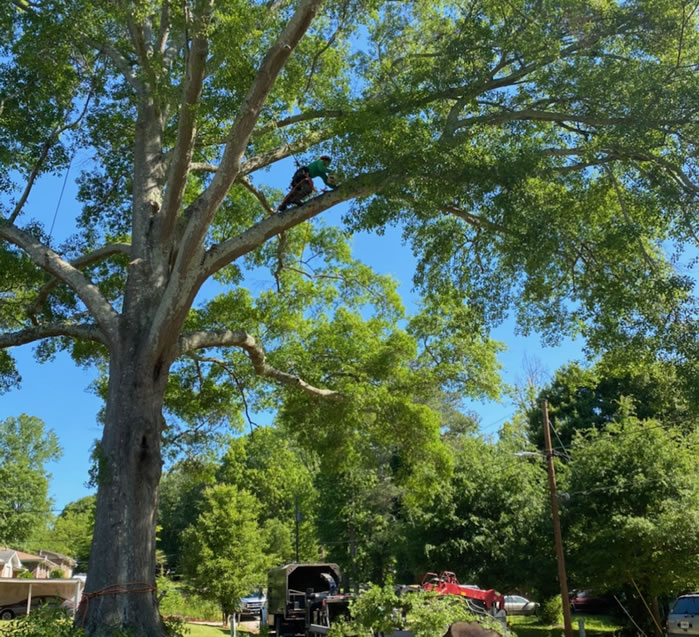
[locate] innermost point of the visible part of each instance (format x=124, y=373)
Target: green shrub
x=175, y=627
x=57, y=573
x=552, y=611
x=46, y=622
x=380, y=611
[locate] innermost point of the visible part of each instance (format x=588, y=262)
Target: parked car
x=252, y=603
x=589, y=602
x=518, y=605
x=683, y=619
x=10, y=611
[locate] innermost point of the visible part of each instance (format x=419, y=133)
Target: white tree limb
x=186, y=131
x=105, y=315
x=80, y=262
x=192, y=341
x=32, y=334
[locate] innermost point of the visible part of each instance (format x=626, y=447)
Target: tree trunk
x=120, y=590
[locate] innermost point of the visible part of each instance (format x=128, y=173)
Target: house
x=38, y=565
x=10, y=564
x=66, y=564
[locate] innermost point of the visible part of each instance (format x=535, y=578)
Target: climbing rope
x=60, y=197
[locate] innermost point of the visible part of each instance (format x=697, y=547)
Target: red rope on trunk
x=112, y=589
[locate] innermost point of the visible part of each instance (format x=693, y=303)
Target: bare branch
x=193, y=341
x=203, y=167
x=229, y=370
x=300, y=117
x=286, y=150
x=120, y=62
x=53, y=138
x=258, y=193
x=47, y=259
x=319, y=53
x=31, y=335
x=81, y=262
x=164, y=32
x=548, y=116
x=475, y=220
x=32, y=178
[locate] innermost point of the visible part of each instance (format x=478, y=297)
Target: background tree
x=584, y=397
x=527, y=168
x=25, y=447
x=181, y=499
x=489, y=523
x=267, y=464
x=631, y=520
x=224, y=559
x=70, y=532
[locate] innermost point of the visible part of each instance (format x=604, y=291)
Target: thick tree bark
x=120, y=589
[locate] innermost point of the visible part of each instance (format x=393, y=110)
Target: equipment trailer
x=303, y=599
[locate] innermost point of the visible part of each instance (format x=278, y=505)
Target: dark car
x=683, y=619
x=12, y=610
x=590, y=602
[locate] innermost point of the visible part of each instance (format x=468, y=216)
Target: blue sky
x=58, y=391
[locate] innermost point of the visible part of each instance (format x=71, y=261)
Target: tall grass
x=179, y=602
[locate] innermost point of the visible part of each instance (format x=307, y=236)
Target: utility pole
x=567, y=624
x=298, y=519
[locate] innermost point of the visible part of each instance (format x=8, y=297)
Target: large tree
x=536, y=151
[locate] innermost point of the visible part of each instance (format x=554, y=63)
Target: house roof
x=8, y=555
x=57, y=557
x=28, y=558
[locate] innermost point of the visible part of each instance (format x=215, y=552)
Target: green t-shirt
x=318, y=168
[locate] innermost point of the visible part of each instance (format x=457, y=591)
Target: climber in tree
x=302, y=181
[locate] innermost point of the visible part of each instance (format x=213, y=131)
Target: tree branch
x=229, y=370
x=548, y=116
x=258, y=193
x=47, y=259
x=295, y=119
x=42, y=157
x=120, y=62
x=221, y=255
x=80, y=262
x=193, y=341
x=186, y=131
x=622, y=204
x=30, y=335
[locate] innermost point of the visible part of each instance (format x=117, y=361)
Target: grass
x=595, y=626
